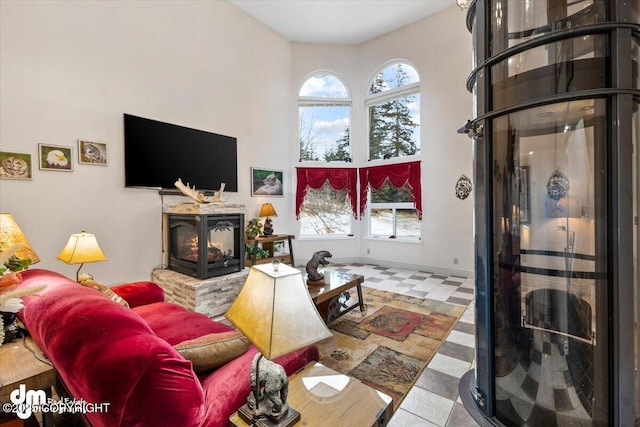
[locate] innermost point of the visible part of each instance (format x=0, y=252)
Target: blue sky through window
x=324, y=86
x=328, y=125
x=322, y=122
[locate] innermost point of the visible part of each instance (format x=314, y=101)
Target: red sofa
x=105, y=352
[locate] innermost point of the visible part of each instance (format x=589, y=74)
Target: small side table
x=267, y=244
x=19, y=366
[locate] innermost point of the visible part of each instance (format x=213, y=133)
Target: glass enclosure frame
x=610, y=31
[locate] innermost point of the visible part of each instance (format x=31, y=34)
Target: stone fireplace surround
x=212, y=296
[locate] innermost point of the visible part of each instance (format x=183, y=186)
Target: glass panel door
x=550, y=294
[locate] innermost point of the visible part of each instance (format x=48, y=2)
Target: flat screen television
x=156, y=154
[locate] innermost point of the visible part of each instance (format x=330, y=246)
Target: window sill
x=328, y=237
x=396, y=240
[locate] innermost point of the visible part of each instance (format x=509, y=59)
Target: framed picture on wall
x=15, y=165
x=266, y=182
x=92, y=153
x=55, y=158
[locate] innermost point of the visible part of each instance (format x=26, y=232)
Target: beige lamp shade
x=275, y=312
x=11, y=234
x=81, y=248
x=267, y=209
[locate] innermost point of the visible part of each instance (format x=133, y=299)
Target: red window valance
x=338, y=178
x=398, y=175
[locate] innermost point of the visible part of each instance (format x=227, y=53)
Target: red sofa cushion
x=175, y=324
x=139, y=293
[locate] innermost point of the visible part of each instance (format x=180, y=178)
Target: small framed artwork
x=15, y=165
x=266, y=182
x=55, y=158
x=92, y=153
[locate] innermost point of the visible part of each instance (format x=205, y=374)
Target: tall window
x=394, y=112
x=324, y=115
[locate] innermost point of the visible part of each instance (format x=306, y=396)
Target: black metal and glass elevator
x=556, y=88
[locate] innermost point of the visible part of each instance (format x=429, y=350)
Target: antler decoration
x=196, y=195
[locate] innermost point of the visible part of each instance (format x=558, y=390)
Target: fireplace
x=205, y=245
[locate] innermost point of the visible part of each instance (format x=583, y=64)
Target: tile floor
x=434, y=400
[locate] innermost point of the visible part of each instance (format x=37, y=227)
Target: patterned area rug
x=388, y=348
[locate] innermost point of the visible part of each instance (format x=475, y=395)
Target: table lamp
x=11, y=234
x=275, y=312
x=81, y=248
x=267, y=210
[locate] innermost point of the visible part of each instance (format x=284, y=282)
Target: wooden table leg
x=363, y=306
x=293, y=263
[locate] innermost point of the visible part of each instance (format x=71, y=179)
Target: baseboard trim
x=391, y=264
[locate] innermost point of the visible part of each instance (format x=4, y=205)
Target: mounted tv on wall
x=156, y=154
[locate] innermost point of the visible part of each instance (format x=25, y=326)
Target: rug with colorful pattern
x=388, y=347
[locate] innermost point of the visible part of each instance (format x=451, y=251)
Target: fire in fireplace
x=205, y=245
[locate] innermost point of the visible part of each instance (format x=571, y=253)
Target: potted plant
x=253, y=228
x=260, y=253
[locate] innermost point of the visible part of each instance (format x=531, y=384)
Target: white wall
x=440, y=49
x=69, y=70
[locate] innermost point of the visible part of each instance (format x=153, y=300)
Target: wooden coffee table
x=325, y=397
x=331, y=298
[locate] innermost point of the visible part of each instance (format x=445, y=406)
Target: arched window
x=324, y=116
x=393, y=190
x=394, y=112
x=326, y=197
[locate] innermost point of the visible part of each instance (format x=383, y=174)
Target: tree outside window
x=326, y=211
x=394, y=113
x=324, y=114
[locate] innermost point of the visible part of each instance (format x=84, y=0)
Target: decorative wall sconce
x=558, y=185
x=463, y=187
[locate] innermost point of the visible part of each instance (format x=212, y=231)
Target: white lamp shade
x=275, y=312
x=81, y=248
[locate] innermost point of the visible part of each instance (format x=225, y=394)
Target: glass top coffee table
x=325, y=397
x=333, y=299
